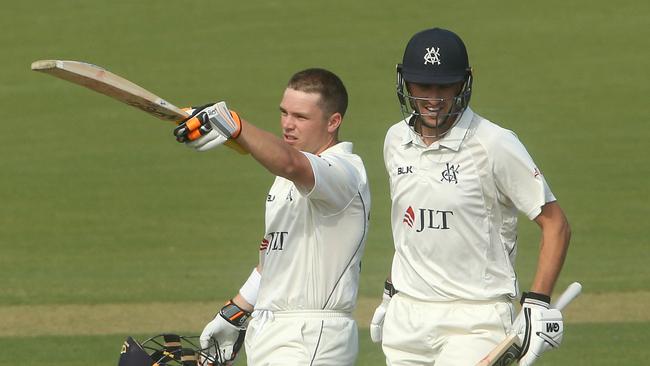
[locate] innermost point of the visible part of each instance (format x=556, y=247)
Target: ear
x=334, y=122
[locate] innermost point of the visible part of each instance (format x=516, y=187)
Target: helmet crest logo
x=432, y=56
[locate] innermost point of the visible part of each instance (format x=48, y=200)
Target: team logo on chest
x=427, y=219
x=290, y=195
x=432, y=56
x=450, y=174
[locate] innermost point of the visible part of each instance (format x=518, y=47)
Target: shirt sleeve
x=518, y=178
x=336, y=182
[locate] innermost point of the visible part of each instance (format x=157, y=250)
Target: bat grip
x=567, y=296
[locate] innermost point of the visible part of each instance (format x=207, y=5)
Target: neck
x=331, y=142
x=428, y=134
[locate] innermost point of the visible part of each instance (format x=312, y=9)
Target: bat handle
x=567, y=296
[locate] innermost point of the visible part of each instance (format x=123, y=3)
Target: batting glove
x=377, y=322
x=228, y=329
x=539, y=327
x=208, y=127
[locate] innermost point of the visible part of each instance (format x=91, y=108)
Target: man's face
x=434, y=102
x=304, y=124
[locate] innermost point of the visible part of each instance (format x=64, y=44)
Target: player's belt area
x=504, y=299
x=309, y=314
x=313, y=314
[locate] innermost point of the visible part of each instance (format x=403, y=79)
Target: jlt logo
x=427, y=219
x=273, y=241
x=450, y=174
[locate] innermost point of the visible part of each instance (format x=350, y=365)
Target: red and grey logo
x=264, y=244
x=409, y=217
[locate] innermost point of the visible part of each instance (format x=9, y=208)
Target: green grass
x=594, y=344
x=98, y=204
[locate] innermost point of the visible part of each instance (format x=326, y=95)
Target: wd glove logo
x=552, y=327
x=427, y=219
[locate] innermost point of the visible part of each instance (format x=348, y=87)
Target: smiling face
x=434, y=102
x=305, y=124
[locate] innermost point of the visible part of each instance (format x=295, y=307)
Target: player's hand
x=227, y=329
x=538, y=327
x=208, y=126
x=377, y=322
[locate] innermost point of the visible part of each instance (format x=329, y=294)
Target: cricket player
x=302, y=293
x=457, y=184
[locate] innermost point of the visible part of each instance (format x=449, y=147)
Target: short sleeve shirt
x=454, y=209
x=314, y=240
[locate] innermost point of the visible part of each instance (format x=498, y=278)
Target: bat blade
x=504, y=353
x=508, y=350
x=103, y=81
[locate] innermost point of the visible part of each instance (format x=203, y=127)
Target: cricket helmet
x=434, y=56
x=168, y=350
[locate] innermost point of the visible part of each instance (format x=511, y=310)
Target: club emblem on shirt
x=290, y=195
x=450, y=174
x=432, y=56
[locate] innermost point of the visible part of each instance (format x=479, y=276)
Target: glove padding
x=377, y=322
x=538, y=327
x=228, y=329
x=208, y=126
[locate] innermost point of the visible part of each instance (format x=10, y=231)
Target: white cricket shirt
x=454, y=209
x=314, y=240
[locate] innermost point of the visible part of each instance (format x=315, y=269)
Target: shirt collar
x=456, y=135
x=342, y=147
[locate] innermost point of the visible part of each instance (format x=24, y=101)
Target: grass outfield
x=103, y=215
x=623, y=344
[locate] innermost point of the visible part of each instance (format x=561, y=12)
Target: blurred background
x=110, y=228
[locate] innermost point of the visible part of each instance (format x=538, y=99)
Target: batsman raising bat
x=301, y=294
x=458, y=183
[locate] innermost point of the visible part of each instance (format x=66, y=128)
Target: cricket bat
x=103, y=81
x=509, y=349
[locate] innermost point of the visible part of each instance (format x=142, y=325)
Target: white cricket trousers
x=457, y=333
x=301, y=338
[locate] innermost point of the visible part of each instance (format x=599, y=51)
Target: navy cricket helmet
x=434, y=56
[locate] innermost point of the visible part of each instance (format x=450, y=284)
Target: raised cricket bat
x=103, y=81
x=509, y=350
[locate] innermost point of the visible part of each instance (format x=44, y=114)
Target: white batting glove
x=538, y=327
x=377, y=322
x=227, y=329
x=208, y=127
